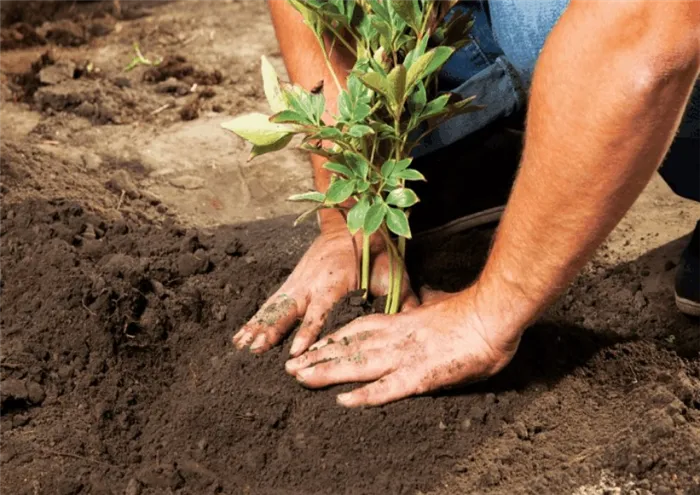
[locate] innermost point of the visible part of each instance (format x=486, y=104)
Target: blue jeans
x=497, y=67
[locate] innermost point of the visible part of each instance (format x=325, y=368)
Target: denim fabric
x=497, y=68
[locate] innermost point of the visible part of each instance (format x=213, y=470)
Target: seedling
x=139, y=59
x=388, y=104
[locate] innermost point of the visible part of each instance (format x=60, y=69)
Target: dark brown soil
x=117, y=370
x=117, y=375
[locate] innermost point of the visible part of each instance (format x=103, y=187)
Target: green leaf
x=409, y=174
x=339, y=191
x=257, y=129
x=289, y=117
x=403, y=164
x=357, y=163
x=353, y=103
x=408, y=11
x=307, y=214
x=418, y=99
x=397, y=86
x=442, y=54
x=276, y=146
x=397, y=222
x=360, y=130
x=427, y=63
x=357, y=214
x=316, y=196
x=391, y=167
x=338, y=168
x=375, y=81
x=402, y=197
x=271, y=85
x=328, y=133
x=305, y=103
x=435, y=106
x=414, y=54
x=311, y=19
x=374, y=217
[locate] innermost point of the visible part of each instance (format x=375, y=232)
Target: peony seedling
x=387, y=105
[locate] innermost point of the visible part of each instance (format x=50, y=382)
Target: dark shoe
x=468, y=182
x=688, y=277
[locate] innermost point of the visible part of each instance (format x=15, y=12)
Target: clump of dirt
x=26, y=84
x=55, y=86
x=117, y=371
x=20, y=35
x=63, y=33
x=176, y=66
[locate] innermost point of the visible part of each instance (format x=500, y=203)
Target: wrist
x=502, y=306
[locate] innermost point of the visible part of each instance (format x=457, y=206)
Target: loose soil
x=118, y=376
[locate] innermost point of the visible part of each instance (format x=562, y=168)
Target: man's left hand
x=442, y=343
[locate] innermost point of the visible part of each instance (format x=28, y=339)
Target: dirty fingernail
x=297, y=347
x=258, y=342
x=237, y=336
x=240, y=339
x=292, y=366
x=304, y=375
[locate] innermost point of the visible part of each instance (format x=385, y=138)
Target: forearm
x=306, y=66
x=608, y=94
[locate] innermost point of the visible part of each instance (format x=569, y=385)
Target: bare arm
x=306, y=66
x=609, y=91
x=608, y=94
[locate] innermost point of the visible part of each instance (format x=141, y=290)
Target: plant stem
x=322, y=43
x=342, y=40
x=390, y=289
x=398, y=276
x=365, y=265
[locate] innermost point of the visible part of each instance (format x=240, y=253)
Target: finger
x=394, y=386
x=360, y=366
x=274, y=319
x=430, y=296
x=360, y=325
x=342, y=348
x=311, y=326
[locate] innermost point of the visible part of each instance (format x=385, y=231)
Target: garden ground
x=136, y=238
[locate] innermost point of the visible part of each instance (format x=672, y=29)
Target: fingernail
x=258, y=342
x=296, y=348
x=240, y=338
x=343, y=399
x=292, y=365
x=304, y=375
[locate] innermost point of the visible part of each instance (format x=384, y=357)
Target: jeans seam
x=480, y=51
x=516, y=83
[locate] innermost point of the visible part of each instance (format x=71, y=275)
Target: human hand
x=444, y=342
x=326, y=273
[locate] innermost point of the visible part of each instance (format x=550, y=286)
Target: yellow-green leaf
x=257, y=129
x=397, y=86
x=276, y=146
x=271, y=85
x=374, y=81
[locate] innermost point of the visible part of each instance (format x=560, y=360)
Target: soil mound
x=118, y=374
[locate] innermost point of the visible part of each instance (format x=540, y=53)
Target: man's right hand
x=326, y=273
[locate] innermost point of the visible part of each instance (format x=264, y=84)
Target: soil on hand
x=117, y=375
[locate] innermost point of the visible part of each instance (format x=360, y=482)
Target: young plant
x=388, y=104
